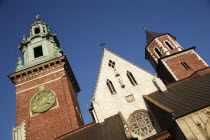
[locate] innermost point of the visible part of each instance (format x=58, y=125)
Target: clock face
x=42, y=101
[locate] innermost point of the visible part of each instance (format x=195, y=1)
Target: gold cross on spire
x=37, y=17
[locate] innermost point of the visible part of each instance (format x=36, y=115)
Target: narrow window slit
x=169, y=45
x=158, y=52
x=186, y=65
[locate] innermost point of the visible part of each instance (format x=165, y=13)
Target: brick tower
x=170, y=60
x=46, y=88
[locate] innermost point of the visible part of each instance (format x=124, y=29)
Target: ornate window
x=131, y=78
x=158, y=52
x=169, y=45
x=140, y=123
x=111, y=63
x=111, y=87
x=186, y=65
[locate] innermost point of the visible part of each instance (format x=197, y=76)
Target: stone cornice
x=51, y=65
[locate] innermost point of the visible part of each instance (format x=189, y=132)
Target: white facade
x=128, y=98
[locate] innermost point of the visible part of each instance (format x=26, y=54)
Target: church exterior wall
x=195, y=126
x=63, y=117
x=174, y=63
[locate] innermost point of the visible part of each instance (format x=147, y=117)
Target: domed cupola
x=39, y=28
x=41, y=46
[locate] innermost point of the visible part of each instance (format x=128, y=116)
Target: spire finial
x=37, y=17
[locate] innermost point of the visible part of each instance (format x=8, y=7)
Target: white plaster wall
x=109, y=104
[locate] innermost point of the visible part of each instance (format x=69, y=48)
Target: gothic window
x=158, y=52
x=111, y=87
x=169, y=45
x=186, y=65
x=131, y=78
x=140, y=123
x=38, y=52
x=111, y=63
x=37, y=30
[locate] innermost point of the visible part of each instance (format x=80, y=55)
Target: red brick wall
x=174, y=63
x=54, y=122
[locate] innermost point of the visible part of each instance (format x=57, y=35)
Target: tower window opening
x=37, y=30
x=158, y=52
x=169, y=45
x=38, y=52
x=131, y=78
x=186, y=65
x=111, y=87
x=111, y=63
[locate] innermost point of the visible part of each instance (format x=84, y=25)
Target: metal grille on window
x=131, y=78
x=111, y=87
x=140, y=123
x=111, y=63
x=186, y=65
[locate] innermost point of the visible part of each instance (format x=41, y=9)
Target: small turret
x=170, y=60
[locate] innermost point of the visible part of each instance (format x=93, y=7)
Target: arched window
x=111, y=87
x=158, y=52
x=186, y=65
x=169, y=45
x=131, y=78
x=37, y=30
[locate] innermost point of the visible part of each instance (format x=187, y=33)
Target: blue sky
x=82, y=25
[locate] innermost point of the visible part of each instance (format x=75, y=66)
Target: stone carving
x=24, y=38
x=58, y=51
x=19, y=64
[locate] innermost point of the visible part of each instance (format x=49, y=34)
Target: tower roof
x=150, y=36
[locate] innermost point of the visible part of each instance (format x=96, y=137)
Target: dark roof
x=185, y=96
x=111, y=129
x=150, y=36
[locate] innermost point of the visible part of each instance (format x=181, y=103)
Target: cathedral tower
x=46, y=88
x=170, y=60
